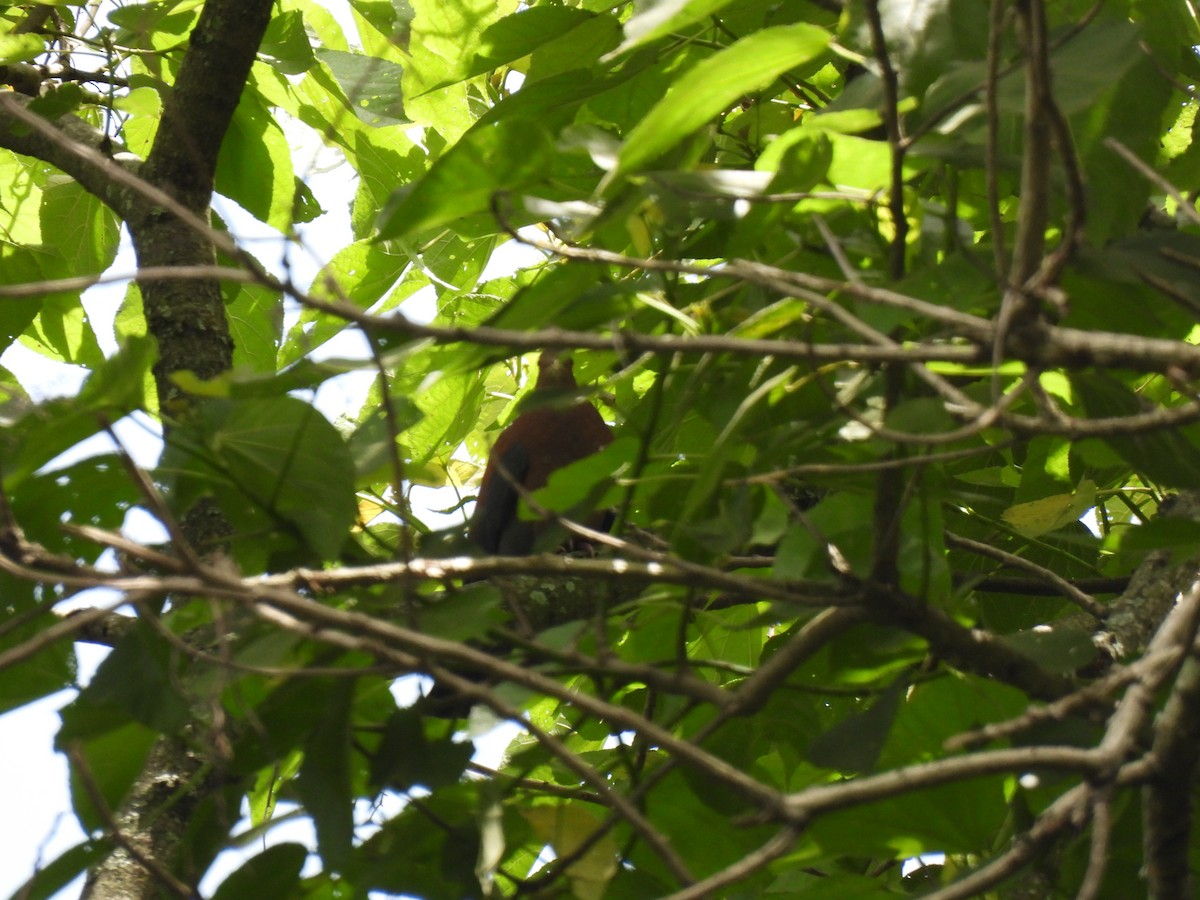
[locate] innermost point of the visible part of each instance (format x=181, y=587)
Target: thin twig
x=776, y=847
x=1085, y=602
x=896, y=142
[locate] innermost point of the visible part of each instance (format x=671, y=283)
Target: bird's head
x=555, y=370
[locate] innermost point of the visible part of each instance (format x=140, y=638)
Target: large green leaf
x=94, y=492
x=136, y=682
x=77, y=225
x=273, y=463
x=554, y=35
x=491, y=159
x=20, y=47
x=361, y=272
x=255, y=316
x=114, y=759
x=286, y=45
x=324, y=779
x=51, y=669
x=271, y=875
x=659, y=19
x=712, y=86
x=18, y=266
x=408, y=757
x=372, y=84
x=1167, y=455
x=61, y=331
x=255, y=165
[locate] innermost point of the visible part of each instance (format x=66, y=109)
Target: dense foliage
x=893, y=305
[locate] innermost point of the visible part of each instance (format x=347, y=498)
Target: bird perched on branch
x=541, y=440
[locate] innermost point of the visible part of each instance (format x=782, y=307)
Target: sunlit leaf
x=712, y=85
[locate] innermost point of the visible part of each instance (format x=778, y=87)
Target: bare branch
x=1085, y=602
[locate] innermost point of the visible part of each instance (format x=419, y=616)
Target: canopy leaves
x=892, y=305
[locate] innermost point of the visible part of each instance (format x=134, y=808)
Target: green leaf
x=58, y=100
x=1087, y=68
x=138, y=680
x=254, y=167
x=255, y=316
x=16, y=48
x=324, y=779
x=530, y=30
x=21, y=212
x=581, y=485
x=565, y=296
x=955, y=818
x=1038, y=517
x=153, y=26
x=18, y=266
x=937, y=710
x=713, y=85
x=408, y=758
x=114, y=389
x=52, y=669
x=62, y=332
x=491, y=158
x=75, y=235
x=288, y=714
x=1168, y=456
x=456, y=262
x=466, y=615
x=853, y=745
x=96, y=492
x=1180, y=536
x=655, y=20
x=407, y=857
x=80, y=227
x=566, y=827
x=574, y=50
x=449, y=407
x=268, y=460
x=285, y=46
x=841, y=520
x=446, y=36
x=372, y=84
x=114, y=759
x=273, y=874
x=363, y=272
x=1056, y=649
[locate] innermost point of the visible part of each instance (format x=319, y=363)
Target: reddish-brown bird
x=540, y=441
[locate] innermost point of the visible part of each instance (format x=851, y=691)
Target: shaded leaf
x=271, y=875
x=408, y=758
x=324, y=778
x=1168, y=456
x=854, y=744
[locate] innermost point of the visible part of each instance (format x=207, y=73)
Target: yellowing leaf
x=368, y=509
x=1038, y=517
x=564, y=827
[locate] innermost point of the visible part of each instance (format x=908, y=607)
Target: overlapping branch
x=183, y=161
x=1116, y=760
